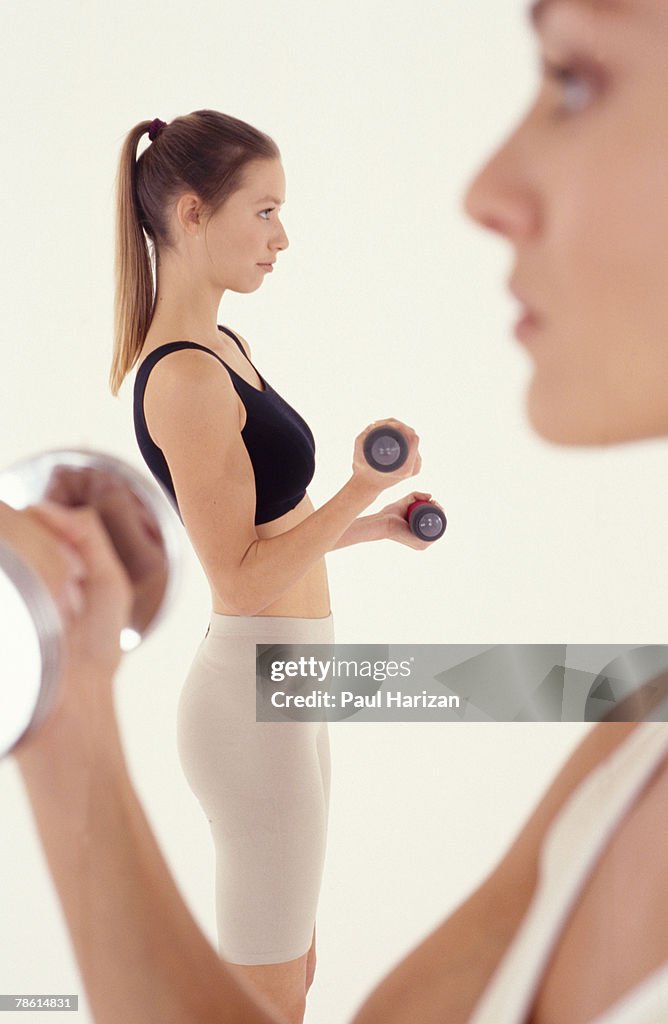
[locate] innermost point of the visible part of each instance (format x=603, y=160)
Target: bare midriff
x=308, y=598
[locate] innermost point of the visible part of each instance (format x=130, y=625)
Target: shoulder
x=185, y=369
x=196, y=359
x=181, y=385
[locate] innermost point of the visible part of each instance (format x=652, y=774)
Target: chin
x=245, y=288
x=582, y=421
x=569, y=423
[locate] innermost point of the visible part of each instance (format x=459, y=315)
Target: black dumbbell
x=385, y=449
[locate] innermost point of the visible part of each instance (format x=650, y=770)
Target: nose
x=281, y=241
x=501, y=198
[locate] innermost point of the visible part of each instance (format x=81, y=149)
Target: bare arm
x=360, y=531
x=389, y=523
x=194, y=418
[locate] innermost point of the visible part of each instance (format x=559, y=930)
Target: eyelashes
x=269, y=209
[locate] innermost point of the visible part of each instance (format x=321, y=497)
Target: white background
x=388, y=303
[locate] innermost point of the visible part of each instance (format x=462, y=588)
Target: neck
x=186, y=302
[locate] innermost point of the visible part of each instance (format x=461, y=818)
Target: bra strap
x=234, y=338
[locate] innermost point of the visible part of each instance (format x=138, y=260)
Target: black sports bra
x=280, y=444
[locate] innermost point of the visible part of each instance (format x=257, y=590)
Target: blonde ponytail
x=133, y=296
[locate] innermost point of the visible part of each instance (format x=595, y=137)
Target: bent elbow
x=243, y=590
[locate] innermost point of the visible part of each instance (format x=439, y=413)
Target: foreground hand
x=70, y=552
x=394, y=525
x=131, y=527
x=54, y=561
x=93, y=628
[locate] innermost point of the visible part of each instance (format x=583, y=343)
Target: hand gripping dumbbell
x=141, y=528
x=386, y=449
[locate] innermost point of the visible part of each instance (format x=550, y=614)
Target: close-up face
x=244, y=237
x=580, y=190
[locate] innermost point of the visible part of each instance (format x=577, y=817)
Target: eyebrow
x=539, y=8
x=271, y=199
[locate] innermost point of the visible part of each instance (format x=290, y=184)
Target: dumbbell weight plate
x=386, y=449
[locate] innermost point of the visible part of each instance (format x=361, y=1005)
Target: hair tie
x=155, y=128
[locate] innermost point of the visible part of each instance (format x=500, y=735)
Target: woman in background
x=235, y=460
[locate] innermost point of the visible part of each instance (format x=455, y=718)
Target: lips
x=529, y=321
x=528, y=312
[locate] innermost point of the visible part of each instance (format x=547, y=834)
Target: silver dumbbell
x=142, y=529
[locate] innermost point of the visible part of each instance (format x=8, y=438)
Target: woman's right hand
x=92, y=625
x=376, y=479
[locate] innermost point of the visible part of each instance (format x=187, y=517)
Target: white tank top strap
x=576, y=839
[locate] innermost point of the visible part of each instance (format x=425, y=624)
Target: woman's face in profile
x=580, y=190
x=246, y=231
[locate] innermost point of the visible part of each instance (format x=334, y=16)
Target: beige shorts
x=264, y=787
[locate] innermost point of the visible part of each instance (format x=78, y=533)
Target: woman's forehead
x=610, y=9
x=266, y=174
x=539, y=8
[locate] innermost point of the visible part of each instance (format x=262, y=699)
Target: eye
x=269, y=209
x=576, y=84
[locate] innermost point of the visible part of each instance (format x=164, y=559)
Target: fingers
x=81, y=528
x=55, y=561
x=407, y=464
x=407, y=431
x=401, y=532
x=136, y=540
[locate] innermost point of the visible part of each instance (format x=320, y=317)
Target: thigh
x=269, y=827
x=264, y=788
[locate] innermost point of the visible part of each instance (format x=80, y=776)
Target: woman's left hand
x=394, y=525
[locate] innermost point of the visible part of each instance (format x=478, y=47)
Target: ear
x=190, y=212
